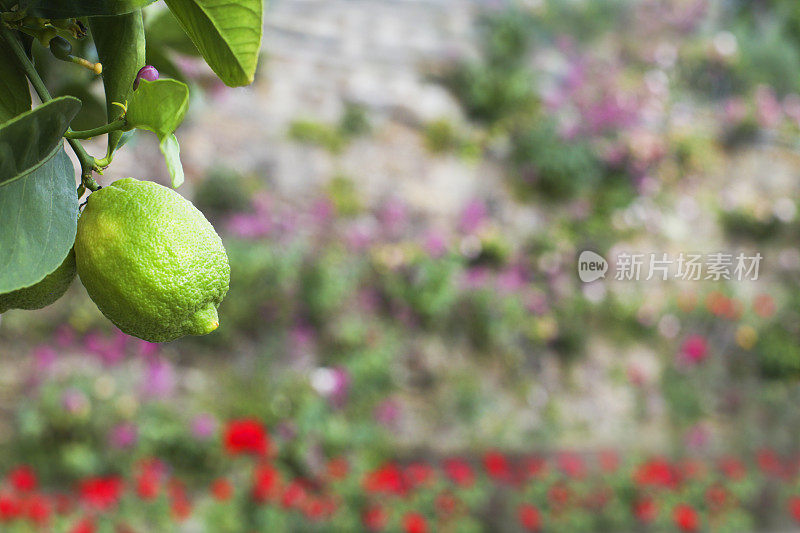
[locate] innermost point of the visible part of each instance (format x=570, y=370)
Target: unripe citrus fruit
x=151, y=261
x=42, y=294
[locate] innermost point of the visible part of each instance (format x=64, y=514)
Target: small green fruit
x=42, y=294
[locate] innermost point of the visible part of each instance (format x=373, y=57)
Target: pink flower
x=158, y=380
x=435, y=244
x=123, y=435
x=473, y=216
x=204, y=426
x=387, y=412
x=694, y=349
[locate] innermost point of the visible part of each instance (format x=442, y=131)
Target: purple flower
x=147, y=349
x=435, y=244
x=44, y=357
x=387, y=412
x=147, y=72
x=322, y=212
x=74, y=402
x=393, y=216
x=473, y=216
x=158, y=380
x=511, y=279
x=204, y=426
x=123, y=435
x=249, y=226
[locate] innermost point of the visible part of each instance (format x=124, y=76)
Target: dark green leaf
x=38, y=219
x=227, y=33
x=15, y=97
x=31, y=138
x=120, y=48
x=171, y=150
x=158, y=106
x=79, y=8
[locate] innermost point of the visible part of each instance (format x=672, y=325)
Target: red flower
x=533, y=466
x=38, y=509
x=645, y=510
x=794, y=508
x=685, y=517
x=338, y=468
x=415, y=523
x=148, y=482
x=459, y=471
x=496, y=465
x=221, y=489
x=572, y=465
x=768, y=461
x=100, y=493
x=417, y=474
x=529, y=517
x=655, y=472
x=84, y=526
x=387, y=479
x=294, y=496
x=10, y=507
x=716, y=497
x=266, y=482
x=23, y=479
x=246, y=436
x=181, y=509
x=732, y=468
x=374, y=518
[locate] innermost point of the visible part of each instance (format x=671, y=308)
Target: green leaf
x=15, y=96
x=79, y=8
x=38, y=219
x=30, y=139
x=171, y=150
x=158, y=106
x=227, y=34
x=120, y=46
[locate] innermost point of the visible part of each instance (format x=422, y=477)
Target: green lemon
x=42, y=294
x=151, y=261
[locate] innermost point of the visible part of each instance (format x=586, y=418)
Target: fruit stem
x=86, y=160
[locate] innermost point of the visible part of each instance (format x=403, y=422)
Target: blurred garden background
x=406, y=346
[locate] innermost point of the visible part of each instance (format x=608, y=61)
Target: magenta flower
x=694, y=349
x=123, y=435
x=387, y=413
x=473, y=216
x=44, y=357
x=158, y=379
x=249, y=226
x=74, y=402
x=435, y=244
x=204, y=426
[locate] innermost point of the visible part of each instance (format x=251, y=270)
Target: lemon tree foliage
x=227, y=33
x=31, y=138
x=169, y=271
x=39, y=214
